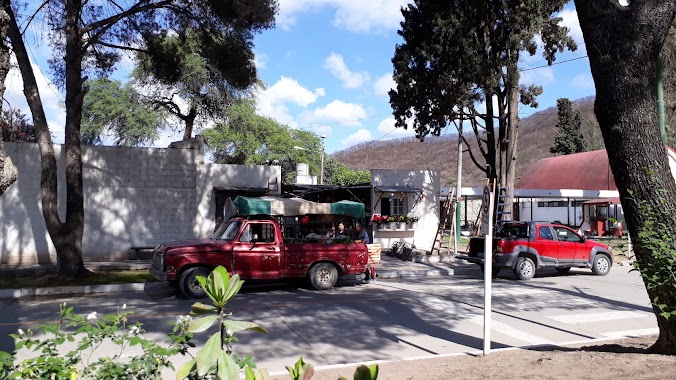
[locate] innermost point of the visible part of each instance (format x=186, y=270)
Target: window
x=552, y=204
x=264, y=233
x=564, y=234
x=399, y=206
x=545, y=233
x=227, y=231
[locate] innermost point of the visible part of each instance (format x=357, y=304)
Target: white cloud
x=570, y=20
x=272, y=102
x=387, y=129
x=336, y=111
x=261, y=61
x=49, y=95
x=375, y=16
x=383, y=85
x=540, y=76
x=357, y=137
x=584, y=81
x=337, y=67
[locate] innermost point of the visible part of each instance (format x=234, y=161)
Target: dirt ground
x=617, y=359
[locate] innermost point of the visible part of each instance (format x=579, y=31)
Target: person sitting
x=342, y=231
x=360, y=234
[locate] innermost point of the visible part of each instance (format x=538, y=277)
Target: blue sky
x=327, y=66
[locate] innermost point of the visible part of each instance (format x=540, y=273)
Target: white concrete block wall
x=427, y=207
x=133, y=196
x=212, y=175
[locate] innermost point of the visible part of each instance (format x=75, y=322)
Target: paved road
x=392, y=319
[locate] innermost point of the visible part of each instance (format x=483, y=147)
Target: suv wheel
x=601, y=265
x=524, y=269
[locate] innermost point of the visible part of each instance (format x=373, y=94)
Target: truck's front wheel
x=323, y=276
x=188, y=284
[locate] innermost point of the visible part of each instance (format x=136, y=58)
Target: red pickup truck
x=526, y=246
x=255, y=249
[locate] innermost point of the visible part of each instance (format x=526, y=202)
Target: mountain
x=536, y=136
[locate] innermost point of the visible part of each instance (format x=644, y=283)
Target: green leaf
x=199, y=308
x=185, y=370
x=227, y=368
x=236, y=326
x=234, y=287
x=202, y=324
x=208, y=355
x=249, y=373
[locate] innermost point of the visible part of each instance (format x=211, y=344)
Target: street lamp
x=321, y=168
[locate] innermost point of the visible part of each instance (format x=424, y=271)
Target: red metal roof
x=584, y=171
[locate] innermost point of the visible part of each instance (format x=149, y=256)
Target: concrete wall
x=428, y=205
x=133, y=196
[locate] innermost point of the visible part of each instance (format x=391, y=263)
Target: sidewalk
x=390, y=267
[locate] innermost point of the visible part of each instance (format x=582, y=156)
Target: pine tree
x=569, y=138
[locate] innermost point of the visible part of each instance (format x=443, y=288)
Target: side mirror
x=254, y=238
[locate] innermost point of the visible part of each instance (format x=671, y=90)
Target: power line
x=553, y=64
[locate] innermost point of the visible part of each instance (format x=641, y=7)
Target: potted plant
x=412, y=219
x=378, y=220
x=401, y=220
x=392, y=220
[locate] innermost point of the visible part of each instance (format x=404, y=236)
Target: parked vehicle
x=255, y=248
x=527, y=246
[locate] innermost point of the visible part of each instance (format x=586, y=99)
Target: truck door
x=256, y=253
x=571, y=245
x=547, y=247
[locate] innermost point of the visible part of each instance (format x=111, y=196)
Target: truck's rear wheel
x=601, y=265
x=188, y=284
x=323, y=276
x=524, y=269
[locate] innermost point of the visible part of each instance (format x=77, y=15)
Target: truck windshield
x=519, y=231
x=227, y=231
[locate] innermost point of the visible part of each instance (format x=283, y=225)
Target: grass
x=26, y=280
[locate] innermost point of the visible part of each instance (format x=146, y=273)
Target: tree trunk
x=189, y=123
x=8, y=172
x=622, y=44
x=512, y=135
x=67, y=237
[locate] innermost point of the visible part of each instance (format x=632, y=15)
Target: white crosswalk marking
x=631, y=333
x=511, y=331
x=599, y=317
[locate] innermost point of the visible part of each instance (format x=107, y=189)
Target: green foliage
x=88, y=333
x=301, y=370
x=569, y=137
x=659, y=272
x=337, y=173
x=250, y=139
x=364, y=373
x=15, y=127
x=216, y=357
x=113, y=109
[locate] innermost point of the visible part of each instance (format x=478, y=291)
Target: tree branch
x=33, y=16
x=107, y=23
x=129, y=48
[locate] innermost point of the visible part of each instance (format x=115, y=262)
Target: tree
x=87, y=39
x=669, y=79
x=173, y=72
x=624, y=72
x=461, y=52
x=8, y=172
x=337, y=173
x=14, y=127
x=113, y=109
x=569, y=137
x=250, y=139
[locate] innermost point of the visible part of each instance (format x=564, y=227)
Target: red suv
x=527, y=246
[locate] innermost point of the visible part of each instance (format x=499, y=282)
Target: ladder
x=448, y=211
x=502, y=207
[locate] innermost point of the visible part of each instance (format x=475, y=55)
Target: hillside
x=536, y=136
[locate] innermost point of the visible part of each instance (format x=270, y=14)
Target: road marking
x=631, y=333
x=511, y=331
x=599, y=317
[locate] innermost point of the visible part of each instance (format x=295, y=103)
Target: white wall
x=428, y=206
x=132, y=196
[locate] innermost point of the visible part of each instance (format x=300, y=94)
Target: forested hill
x=536, y=136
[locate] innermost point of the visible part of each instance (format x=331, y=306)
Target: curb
x=80, y=290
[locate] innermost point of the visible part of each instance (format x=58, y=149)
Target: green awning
x=353, y=209
x=295, y=206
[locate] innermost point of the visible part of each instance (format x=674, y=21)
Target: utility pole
x=321, y=169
